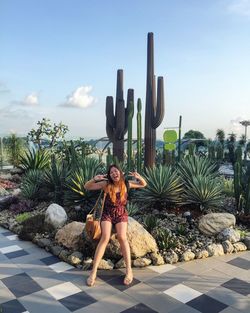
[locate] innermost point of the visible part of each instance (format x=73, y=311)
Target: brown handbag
x=93, y=224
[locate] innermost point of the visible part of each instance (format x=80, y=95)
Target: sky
x=59, y=59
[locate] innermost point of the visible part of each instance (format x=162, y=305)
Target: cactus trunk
x=154, y=108
x=139, y=137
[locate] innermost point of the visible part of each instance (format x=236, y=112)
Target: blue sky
x=59, y=60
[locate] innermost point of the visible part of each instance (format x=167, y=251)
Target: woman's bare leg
x=121, y=229
x=99, y=252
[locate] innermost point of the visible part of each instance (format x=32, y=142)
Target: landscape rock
x=227, y=247
x=239, y=246
x=157, y=259
x=229, y=234
x=70, y=236
x=142, y=262
x=106, y=265
x=214, y=223
x=215, y=249
x=55, y=215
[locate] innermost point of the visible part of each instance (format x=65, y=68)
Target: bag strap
x=96, y=204
x=103, y=202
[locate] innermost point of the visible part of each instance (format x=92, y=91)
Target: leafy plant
x=165, y=240
x=22, y=217
x=31, y=183
x=35, y=160
x=163, y=187
x=21, y=207
x=55, y=178
x=132, y=209
x=202, y=185
x=228, y=187
x=150, y=222
x=181, y=229
x=75, y=193
x=14, y=149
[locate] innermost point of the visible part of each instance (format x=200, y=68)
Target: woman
x=114, y=213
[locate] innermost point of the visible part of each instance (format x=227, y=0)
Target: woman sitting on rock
x=114, y=213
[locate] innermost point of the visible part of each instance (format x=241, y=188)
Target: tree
x=46, y=131
x=193, y=134
x=220, y=135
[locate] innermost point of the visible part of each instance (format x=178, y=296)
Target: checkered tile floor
x=34, y=281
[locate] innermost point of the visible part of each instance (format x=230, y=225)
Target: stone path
x=34, y=281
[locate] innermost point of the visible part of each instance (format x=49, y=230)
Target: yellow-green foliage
x=228, y=187
x=22, y=217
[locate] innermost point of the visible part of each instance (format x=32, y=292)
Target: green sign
x=170, y=137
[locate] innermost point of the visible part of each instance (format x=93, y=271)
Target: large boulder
x=70, y=236
x=229, y=234
x=140, y=241
x=213, y=223
x=55, y=216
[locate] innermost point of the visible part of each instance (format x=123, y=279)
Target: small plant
x=228, y=187
x=22, y=217
x=21, y=207
x=181, y=229
x=35, y=160
x=31, y=183
x=132, y=209
x=165, y=240
x=150, y=222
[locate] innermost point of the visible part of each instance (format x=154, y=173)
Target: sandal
x=128, y=279
x=90, y=280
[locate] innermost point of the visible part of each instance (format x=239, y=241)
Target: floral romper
x=114, y=212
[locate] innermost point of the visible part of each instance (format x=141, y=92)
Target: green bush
x=165, y=240
x=31, y=183
x=163, y=187
x=35, y=160
x=22, y=217
x=150, y=222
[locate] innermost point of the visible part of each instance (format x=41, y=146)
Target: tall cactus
x=117, y=123
x=129, y=142
x=139, y=137
x=154, y=108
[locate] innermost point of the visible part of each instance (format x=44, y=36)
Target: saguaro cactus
x=139, y=137
x=117, y=124
x=154, y=108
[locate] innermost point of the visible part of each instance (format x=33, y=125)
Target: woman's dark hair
x=109, y=170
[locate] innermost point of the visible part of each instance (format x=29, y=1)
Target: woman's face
x=115, y=174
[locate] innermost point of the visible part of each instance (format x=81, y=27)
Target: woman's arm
x=96, y=183
x=139, y=183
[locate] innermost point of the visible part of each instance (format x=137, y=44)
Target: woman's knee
x=121, y=238
x=105, y=238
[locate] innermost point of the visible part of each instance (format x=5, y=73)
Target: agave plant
x=76, y=194
x=55, y=178
x=35, y=160
x=165, y=240
x=31, y=183
x=163, y=187
x=203, y=192
x=150, y=222
x=132, y=209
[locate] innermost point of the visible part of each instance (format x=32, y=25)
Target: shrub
x=31, y=183
x=165, y=240
x=163, y=187
x=35, y=160
x=21, y=207
x=22, y=217
x=150, y=222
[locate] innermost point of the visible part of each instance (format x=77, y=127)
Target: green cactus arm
x=130, y=99
x=110, y=112
x=120, y=120
x=159, y=114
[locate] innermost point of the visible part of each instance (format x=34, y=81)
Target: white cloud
x=80, y=98
x=241, y=7
x=30, y=101
x=236, y=127
x=3, y=88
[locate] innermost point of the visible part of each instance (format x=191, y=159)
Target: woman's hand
x=140, y=183
x=98, y=178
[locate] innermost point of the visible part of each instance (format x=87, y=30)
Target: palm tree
x=220, y=135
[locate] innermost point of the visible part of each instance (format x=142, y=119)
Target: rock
x=3, y=192
x=120, y=264
x=75, y=258
x=64, y=254
x=239, y=246
x=18, y=171
x=56, y=250
x=43, y=242
x=6, y=201
x=16, y=192
x=214, y=223
x=31, y=226
x=55, y=215
x=70, y=236
x=141, y=262
x=157, y=259
x=7, y=176
x=229, y=234
x=140, y=241
x=171, y=257
x=246, y=241
x=188, y=256
x=215, y=249
x=106, y=265
x=202, y=254
x=227, y=247
x=86, y=264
